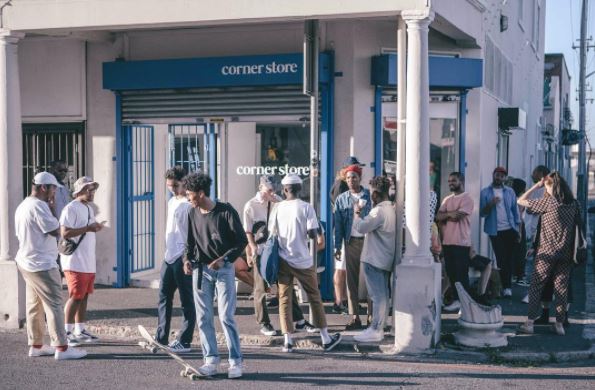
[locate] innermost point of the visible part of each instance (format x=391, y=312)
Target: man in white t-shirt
x=78, y=224
x=256, y=214
x=172, y=270
x=37, y=228
x=295, y=222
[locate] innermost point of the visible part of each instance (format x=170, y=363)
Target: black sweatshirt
x=216, y=234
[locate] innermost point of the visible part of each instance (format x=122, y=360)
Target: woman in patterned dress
x=559, y=215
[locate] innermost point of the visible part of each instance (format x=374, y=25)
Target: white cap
x=83, y=182
x=291, y=178
x=46, y=178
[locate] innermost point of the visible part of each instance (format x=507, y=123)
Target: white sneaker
x=454, y=306
x=177, y=347
x=45, y=350
x=70, y=353
x=234, y=371
x=86, y=337
x=73, y=341
x=369, y=335
x=208, y=369
x=506, y=293
x=525, y=299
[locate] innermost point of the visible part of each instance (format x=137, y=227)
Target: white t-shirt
x=501, y=216
x=38, y=250
x=76, y=215
x=176, y=230
x=255, y=210
x=354, y=199
x=294, y=219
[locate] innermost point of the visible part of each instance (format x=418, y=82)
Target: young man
x=378, y=254
x=216, y=239
x=499, y=208
x=37, y=228
x=353, y=240
x=295, y=221
x=256, y=213
x=172, y=270
x=454, y=215
x=78, y=224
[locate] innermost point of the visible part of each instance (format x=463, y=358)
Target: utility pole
x=582, y=174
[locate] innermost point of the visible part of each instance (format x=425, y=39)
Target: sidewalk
x=117, y=313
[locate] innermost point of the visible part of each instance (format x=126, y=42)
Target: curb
x=443, y=352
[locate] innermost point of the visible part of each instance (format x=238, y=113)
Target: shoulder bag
x=67, y=246
x=268, y=262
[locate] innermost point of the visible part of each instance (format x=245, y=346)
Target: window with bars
x=46, y=142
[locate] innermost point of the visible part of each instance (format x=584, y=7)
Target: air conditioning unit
x=512, y=118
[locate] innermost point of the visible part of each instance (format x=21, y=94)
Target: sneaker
x=177, y=347
x=70, y=353
x=234, y=371
x=454, y=306
x=274, y=302
x=507, y=293
x=287, y=348
x=86, y=337
x=73, y=341
x=45, y=350
x=335, y=340
x=268, y=330
x=208, y=369
x=526, y=328
x=354, y=324
x=522, y=282
x=369, y=335
x=339, y=309
x=525, y=299
x=308, y=327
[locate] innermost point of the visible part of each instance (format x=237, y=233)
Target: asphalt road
x=120, y=365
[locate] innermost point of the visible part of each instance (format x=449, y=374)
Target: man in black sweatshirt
x=215, y=239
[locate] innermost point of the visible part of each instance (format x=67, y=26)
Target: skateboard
x=150, y=344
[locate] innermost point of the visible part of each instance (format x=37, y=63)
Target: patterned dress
x=554, y=252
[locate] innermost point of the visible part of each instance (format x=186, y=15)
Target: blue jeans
x=222, y=281
x=377, y=284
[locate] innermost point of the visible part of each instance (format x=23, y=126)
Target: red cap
x=501, y=170
x=354, y=168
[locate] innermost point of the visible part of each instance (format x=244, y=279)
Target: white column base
x=417, y=305
x=12, y=306
x=480, y=335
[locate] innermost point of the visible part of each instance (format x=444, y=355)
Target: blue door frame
x=208, y=72
x=454, y=74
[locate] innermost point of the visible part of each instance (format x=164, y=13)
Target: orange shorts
x=79, y=284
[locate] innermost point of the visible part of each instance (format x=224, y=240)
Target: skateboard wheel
x=194, y=377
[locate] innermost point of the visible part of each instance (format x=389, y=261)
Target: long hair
x=560, y=189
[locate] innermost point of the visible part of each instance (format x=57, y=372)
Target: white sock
x=301, y=322
x=79, y=327
x=69, y=327
x=288, y=339
x=325, y=336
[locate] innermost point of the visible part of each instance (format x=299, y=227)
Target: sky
x=562, y=30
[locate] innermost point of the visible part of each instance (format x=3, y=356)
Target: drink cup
x=362, y=203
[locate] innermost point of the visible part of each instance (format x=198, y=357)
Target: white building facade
x=123, y=90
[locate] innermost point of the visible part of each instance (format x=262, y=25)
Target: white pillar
x=417, y=295
x=12, y=305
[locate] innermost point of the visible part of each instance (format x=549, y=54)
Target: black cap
x=352, y=160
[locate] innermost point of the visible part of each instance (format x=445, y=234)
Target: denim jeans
x=377, y=284
x=222, y=281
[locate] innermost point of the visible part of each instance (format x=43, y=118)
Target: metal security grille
x=46, y=142
x=141, y=197
x=206, y=102
x=188, y=147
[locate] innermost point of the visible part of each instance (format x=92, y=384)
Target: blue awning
x=445, y=72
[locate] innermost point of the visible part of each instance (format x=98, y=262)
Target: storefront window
x=187, y=147
x=285, y=149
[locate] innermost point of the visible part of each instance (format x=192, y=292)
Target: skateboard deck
x=153, y=346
